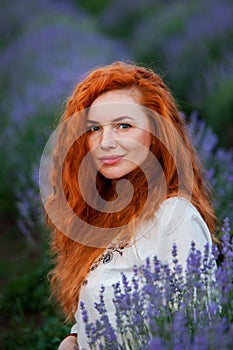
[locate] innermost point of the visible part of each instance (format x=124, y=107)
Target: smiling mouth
x=110, y=160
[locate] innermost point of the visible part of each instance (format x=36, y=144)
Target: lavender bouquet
x=163, y=307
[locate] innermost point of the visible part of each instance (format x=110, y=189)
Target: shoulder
x=176, y=204
x=178, y=222
x=182, y=222
x=177, y=211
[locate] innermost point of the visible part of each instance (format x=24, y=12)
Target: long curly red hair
x=72, y=257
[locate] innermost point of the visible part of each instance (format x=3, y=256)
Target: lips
x=110, y=160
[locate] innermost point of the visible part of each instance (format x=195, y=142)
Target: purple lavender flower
x=217, y=162
x=156, y=344
x=226, y=225
x=48, y=75
x=201, y=320
x=30, y=210
x=192, y=36
x=54, y=43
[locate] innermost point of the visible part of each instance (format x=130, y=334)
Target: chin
x=113, y=176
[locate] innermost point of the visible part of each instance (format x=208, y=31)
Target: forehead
x=115, y=104
x=124, y=95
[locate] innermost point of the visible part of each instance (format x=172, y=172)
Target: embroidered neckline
x=106, y=257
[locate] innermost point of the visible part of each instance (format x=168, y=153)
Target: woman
x=133, y=184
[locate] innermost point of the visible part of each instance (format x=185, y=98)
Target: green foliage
x=28, y=316
x=188, y=41
x=218, y=107
x=92, y=6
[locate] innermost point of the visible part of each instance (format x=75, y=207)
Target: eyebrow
x=114, y=120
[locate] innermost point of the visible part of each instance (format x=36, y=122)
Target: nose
x=107, y=140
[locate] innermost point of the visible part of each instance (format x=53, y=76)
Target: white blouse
x=176, y=221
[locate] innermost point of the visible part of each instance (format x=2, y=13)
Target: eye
x=93, y=128
x=124, y=126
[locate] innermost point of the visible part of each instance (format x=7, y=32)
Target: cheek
x=144, y=138
x=137, y=143
x=143, y=148
x=91, y=143
x=92, y=149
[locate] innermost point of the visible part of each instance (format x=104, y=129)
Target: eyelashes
x=125, y=126
x=121, y=126
x=93, y=128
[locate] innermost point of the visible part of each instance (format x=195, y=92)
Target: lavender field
x=45, y=48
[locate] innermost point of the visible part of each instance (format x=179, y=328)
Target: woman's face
x=118, y=133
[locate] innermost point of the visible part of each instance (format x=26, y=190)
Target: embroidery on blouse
x=106, y=257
